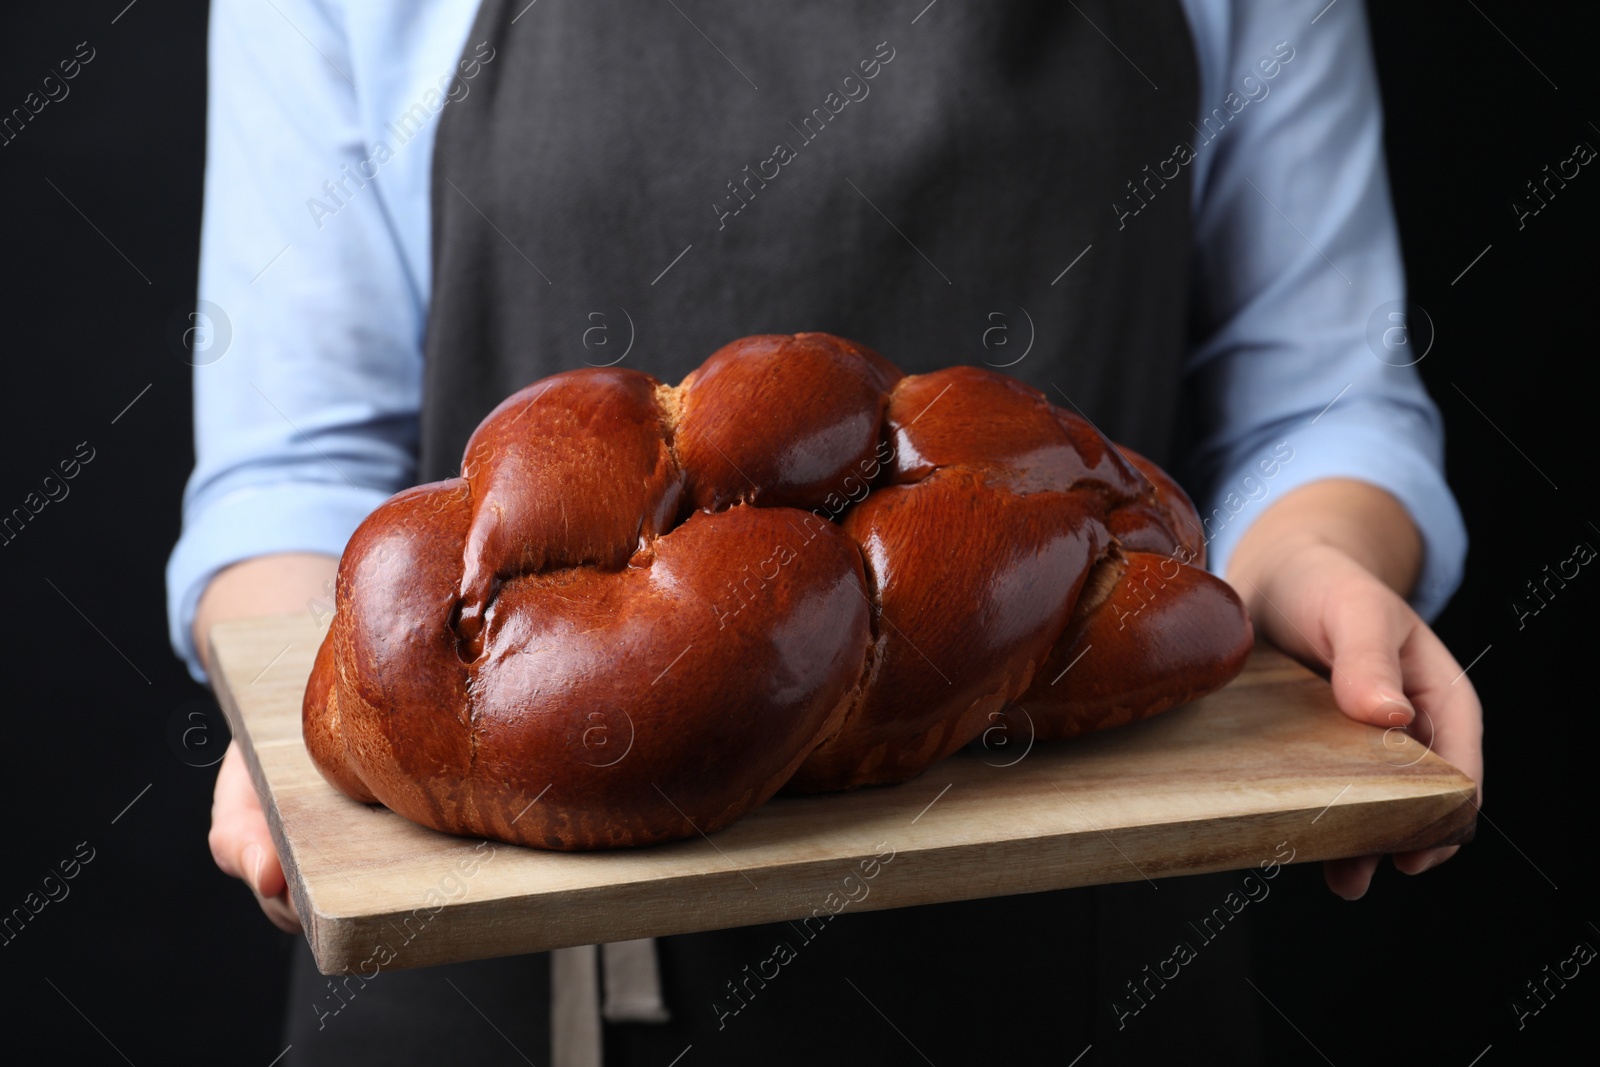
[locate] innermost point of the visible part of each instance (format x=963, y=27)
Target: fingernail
x=1428, y=864
x=253, y=859
x=1397, y=710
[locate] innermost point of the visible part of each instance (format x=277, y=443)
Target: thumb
x=244, y=849
x=261, y=869
x=1368, y=683
x=240, y=842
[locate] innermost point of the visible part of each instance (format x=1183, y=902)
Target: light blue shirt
x=311, y=318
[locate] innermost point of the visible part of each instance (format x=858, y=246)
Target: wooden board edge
x=346, y=945
x=1456, y=826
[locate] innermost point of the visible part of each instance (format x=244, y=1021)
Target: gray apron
x=615, y=178
x=638, y=184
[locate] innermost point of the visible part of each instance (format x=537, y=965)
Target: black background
x=170, y=960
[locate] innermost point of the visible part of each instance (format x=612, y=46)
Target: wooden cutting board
x=1213, y=786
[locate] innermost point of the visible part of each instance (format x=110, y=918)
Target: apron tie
x=632, y=994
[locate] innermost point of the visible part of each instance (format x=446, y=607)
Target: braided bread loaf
x=642, y=610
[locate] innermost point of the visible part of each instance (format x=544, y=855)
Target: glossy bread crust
x=643, y=610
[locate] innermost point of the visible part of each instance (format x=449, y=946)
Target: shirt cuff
x=287, y=517
x=1335, y=449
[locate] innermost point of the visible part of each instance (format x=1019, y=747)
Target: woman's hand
x=1323, y=573
x=240, y=841
x=241, y=844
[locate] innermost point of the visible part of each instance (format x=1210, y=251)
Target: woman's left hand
x=1298, y=572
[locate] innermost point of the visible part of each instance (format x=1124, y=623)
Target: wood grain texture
x=1213, y=786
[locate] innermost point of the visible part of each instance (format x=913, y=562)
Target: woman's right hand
x=240, y=842
x=242, y=845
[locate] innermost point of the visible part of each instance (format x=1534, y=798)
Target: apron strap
x=632, y=994
x=633, y=982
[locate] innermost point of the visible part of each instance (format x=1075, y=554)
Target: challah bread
x=642, y=610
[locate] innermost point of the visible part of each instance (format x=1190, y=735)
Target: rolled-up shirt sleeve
x=1297, y=255
x=307, y=387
